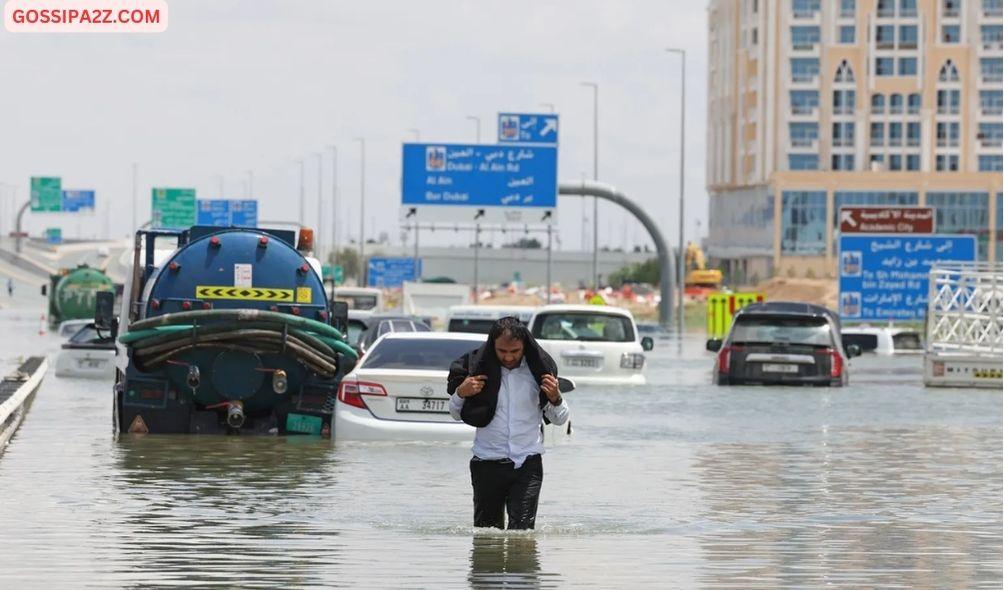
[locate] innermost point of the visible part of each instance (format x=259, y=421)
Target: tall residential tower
x=816, y=104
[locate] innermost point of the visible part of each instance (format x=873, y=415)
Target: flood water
x=677, y=484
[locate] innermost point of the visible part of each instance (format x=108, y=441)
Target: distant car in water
x=654, y=330
x=592, y=344
x=379, y=324
x=365, y=298
x=89, y=353
x=782, y=343
x=884, y=339
x=478, y=319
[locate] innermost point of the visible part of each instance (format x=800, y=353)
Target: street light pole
x=319, y=224
x=596, y=176
x=303, y=193
x=477, y=127
x=362, y=210
x=334, y=203
x=680, y=269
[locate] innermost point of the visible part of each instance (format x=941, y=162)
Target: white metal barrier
x=965, y=323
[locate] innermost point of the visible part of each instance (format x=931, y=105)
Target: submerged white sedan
x=397, y=392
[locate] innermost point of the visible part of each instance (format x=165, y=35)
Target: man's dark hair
x=510, y=327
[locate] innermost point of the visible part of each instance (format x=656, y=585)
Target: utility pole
x=362, y=211
x=303, y=193
x=680, y=269
x=319, y=224
x=135, y=194
x=596, y=176
x=334, y=203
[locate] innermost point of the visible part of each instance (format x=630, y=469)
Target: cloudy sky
x=238, y=85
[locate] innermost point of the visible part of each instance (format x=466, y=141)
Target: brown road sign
x=887, y=220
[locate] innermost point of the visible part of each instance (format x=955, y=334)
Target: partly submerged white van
x=364, y=298
x=592, y=344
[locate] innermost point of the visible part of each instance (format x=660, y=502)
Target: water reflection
x=207, y=509
x=507, y=561
x=854, y=506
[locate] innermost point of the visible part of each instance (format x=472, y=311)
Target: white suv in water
x=592, y=344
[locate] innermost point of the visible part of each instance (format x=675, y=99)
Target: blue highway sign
x=885, y=276
x=392, y=272
x=528, y=128
x=213, y=212
x=244, y=213
x=75, y=200
x=480, y=182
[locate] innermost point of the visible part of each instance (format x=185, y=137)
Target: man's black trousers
x=499, y=488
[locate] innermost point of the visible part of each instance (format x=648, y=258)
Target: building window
x=895, y=104
x=884, y=66
x=885, y=36
x=947, y=134
x=843, y=134
x=895, y=133
x=803, y=134
x=908, y=66
x=803, y=222
x=949, y=73
x=878, y=104
x=803, y=161
x=913, y=133
x=950, y=8
x=991, y=69
x=804, y=102
x=846, y=8
x=843, y=102
x=913, y=162
x=948, y=102
x=877, y=159
x=908, y=36
x=878, y=134
x=991, y=163
x=990, y=135
x=992, y=36
x=962, y=213
x=886, y=8
x=908, y=8
x=804, y=69
x=805, y=8
x=991, y=102
x=992, y=8
x=895, y=162
x=847, y=34
x=804, y=37
x=946, y=163
x=913, y=105
x=842, y=162
x=844, y=72
x=950, y=33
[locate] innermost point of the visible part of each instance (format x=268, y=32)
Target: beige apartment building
x=816, y=104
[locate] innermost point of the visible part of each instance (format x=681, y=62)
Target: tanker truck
x=72, y=293
x=227, y=331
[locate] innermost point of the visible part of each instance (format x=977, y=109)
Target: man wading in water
x=503, y=388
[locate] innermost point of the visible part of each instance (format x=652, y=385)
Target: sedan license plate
x=418, y=404
x=589, y=363
x=90, y=363
x=778, y=368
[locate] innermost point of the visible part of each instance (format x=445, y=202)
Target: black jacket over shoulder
x=479, y=409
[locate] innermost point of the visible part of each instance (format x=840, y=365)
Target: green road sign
x=173, y=207
x=54, y=235
x=333, y=272
x=46, y=193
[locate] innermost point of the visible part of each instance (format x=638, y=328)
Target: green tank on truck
x=72, y=293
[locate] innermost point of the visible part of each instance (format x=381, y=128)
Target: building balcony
x=913, y=141
x=800, y=144
x=843, y=142
x=991, y=110
x=948, y=110
x=948, y=142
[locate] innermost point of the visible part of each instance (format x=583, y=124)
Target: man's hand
x=472, y=386
x=549, y=385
